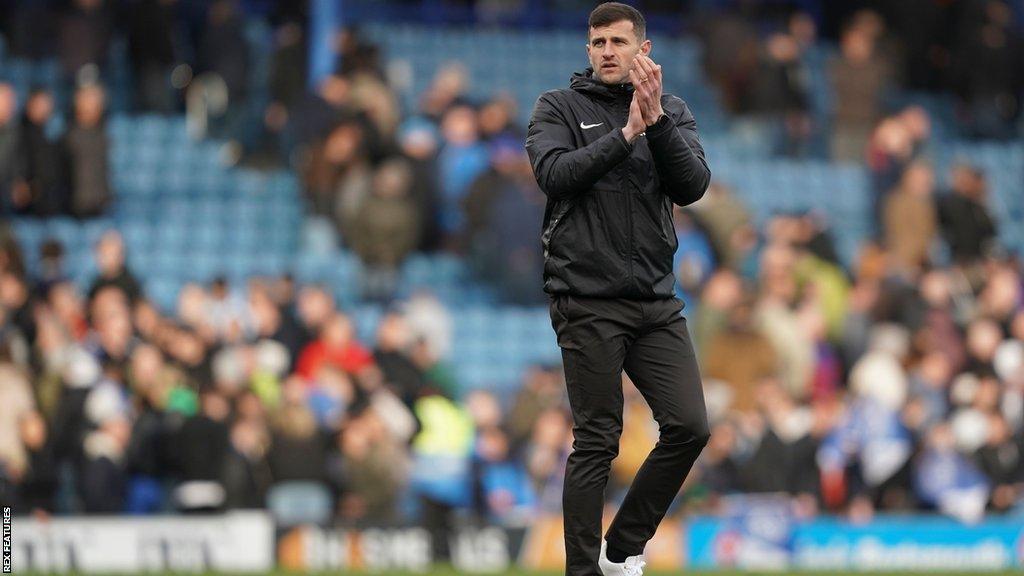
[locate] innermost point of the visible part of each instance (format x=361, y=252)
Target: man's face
x=611, y=50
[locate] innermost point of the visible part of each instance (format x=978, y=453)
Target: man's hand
x=646, y=78
x=636, y=123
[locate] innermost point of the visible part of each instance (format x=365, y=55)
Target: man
x=88, y=145
x=612, y=154
x=965, y=218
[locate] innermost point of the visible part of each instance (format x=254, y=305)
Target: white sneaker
x=633, y=566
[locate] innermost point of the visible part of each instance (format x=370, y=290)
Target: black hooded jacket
x=608, y=229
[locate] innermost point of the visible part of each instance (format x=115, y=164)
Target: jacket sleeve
x=563, y=171
x=679, y=156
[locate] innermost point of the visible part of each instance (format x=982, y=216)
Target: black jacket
x=608, y=228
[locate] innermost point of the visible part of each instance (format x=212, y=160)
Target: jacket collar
x=586, y=83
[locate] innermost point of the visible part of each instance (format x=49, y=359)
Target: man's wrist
x=661, y=114
x=629, y=134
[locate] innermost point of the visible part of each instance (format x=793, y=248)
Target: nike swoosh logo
x=589, y=126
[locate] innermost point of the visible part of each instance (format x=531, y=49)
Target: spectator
x=16, y=404
x=541, y=392
x=497, y=117
x=506, y=493
x=78, y=372
x=441, y=464
x=948, y=481
x=288, y=64
x=462, y=159
x=928, y=387
x=896, y=142
x=43, y=158
x=112, y=338
x=51, y=264
x=742, y=358
x=88, y=147
x=103, y=482
x=18, y=304
x=15, y=195
x=723, y=291
x=113, y=270
x=191, y=354
x=146, y=460
x=967, y=224
x=418, y=140
x=357, y=56
x=373, y=99
x=376, y=469
x=939, y=327
x=911, y=220
x=545, y=456
x=384, y=231
x=504, y=209
x=394, y=344
x=859, y=77
x=247, y=476
x=336, y=347
x=694, y=259
x=225, y=311
x=10, y=253
x=338, y=174
x=199, y=450
x=717, y=468
x=103, y=478
x=784, y=460
x=777, y=316
x=38, y=487
x=1001, y=460
x=446, y=90
x=982, y=340
x=275, y=322
x=331, y=398
x=779, y=94
x=314, y=307
x=729, y=225
x=298, y=450
x=287, y=85
x=316, y=114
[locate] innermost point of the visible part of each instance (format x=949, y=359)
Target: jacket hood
x=585, y=82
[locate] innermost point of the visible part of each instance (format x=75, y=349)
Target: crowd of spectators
x=970, y=52
x=44, y=174
x=110, y=405
x=894, y=384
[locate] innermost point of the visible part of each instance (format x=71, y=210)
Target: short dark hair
x=611, y=12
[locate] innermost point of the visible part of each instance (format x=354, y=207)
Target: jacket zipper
x=552, y=228
x=551, y=236
x=629, y=212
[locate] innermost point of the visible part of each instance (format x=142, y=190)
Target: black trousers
x=599, y=339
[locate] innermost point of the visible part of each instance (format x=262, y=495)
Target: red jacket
x=351, y=358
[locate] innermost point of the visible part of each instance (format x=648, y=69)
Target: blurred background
x=270, y=284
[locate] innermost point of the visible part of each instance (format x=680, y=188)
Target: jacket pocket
x=553, y=226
